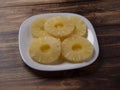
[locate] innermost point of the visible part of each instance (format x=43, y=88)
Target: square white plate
x=25, y=39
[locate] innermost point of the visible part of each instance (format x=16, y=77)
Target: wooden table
x=104, y=74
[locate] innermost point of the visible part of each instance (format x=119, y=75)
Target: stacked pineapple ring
x=60, y=37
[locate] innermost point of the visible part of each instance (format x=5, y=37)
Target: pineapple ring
x=59, y=26
x=45, y=50
x=77, y=49
x=80, y=26
x=37, y=27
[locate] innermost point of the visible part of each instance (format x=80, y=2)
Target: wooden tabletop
x=104, y=74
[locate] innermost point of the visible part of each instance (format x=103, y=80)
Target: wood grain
x=104, y=74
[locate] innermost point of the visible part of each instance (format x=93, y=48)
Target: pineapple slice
x=45, y=50
x=77, y=49
x=59, y=26
x=80, y=26
x=37, y=27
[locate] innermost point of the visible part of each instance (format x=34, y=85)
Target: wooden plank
x=91, y=74
x=84, y=7
x=105, y=13
x=105, y=18
x=110, y=30
x=8, y=3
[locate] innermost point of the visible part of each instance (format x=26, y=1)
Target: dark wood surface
x=104, y=74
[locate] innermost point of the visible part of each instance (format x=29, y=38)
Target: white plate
x=25, y=39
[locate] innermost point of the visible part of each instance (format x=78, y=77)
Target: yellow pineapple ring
x=80, y=26
x=59, y=26
x=45, y=50
x=77, y=49
x=37, y=27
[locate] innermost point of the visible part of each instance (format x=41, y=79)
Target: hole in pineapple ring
x=59, y=25
x=76, y=47
x=45, y=48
